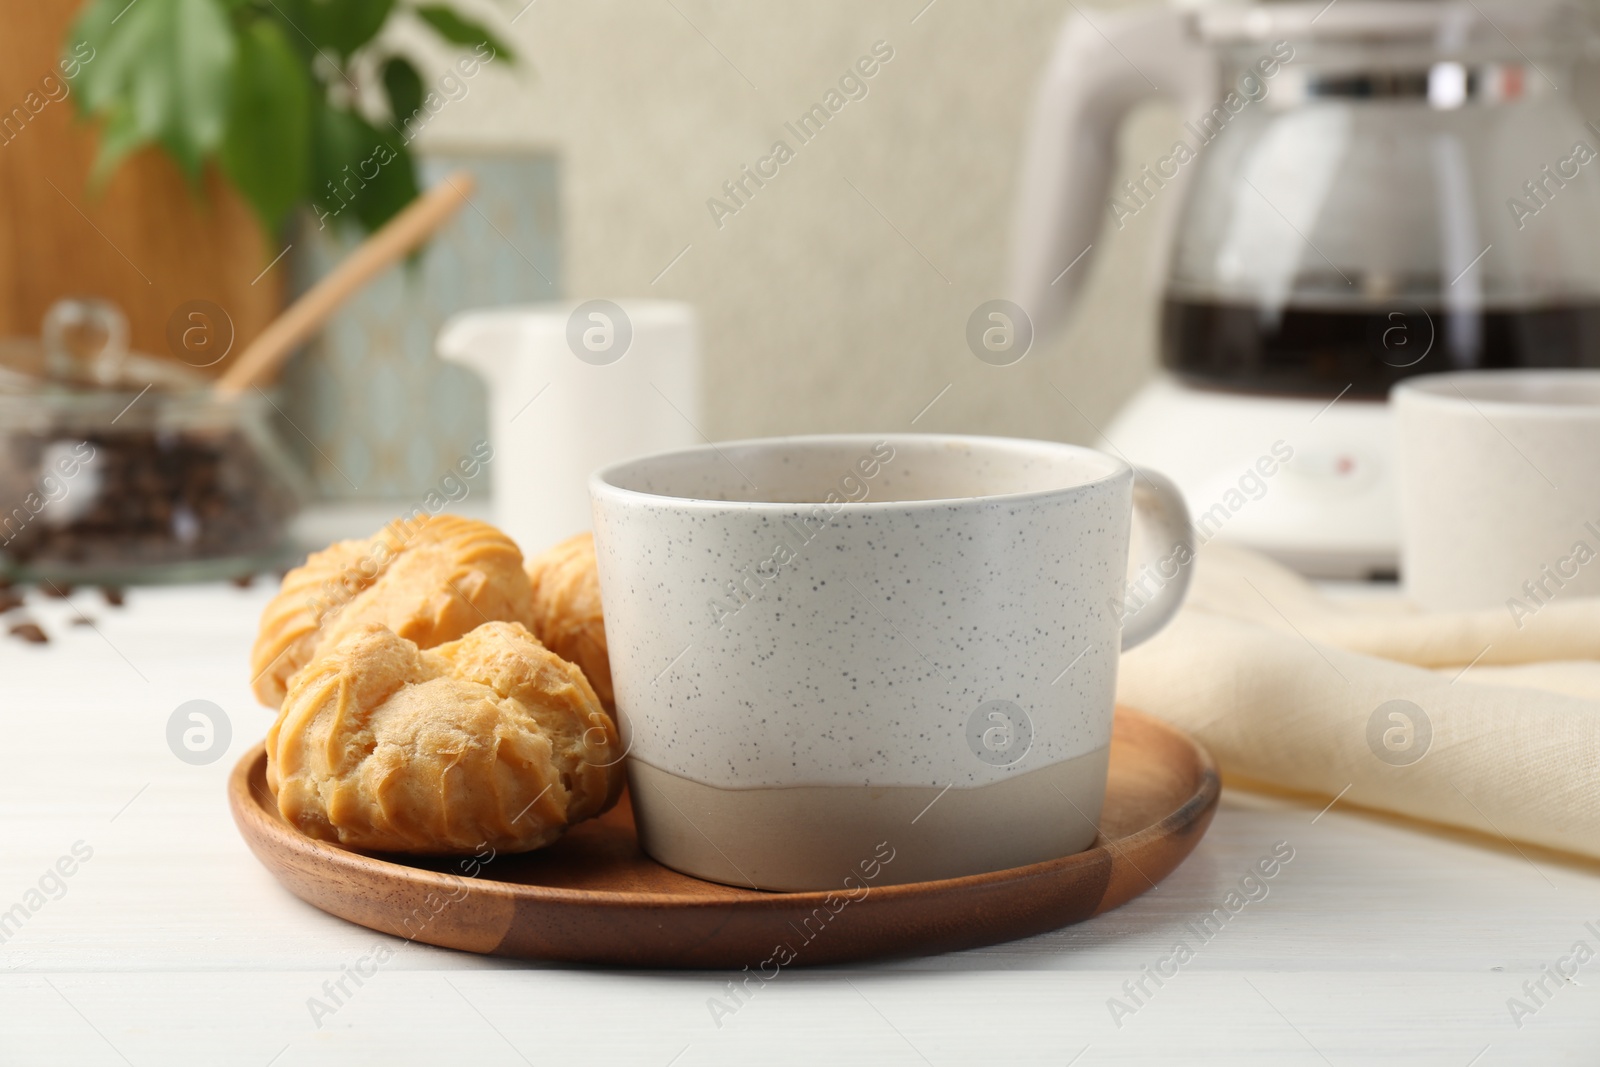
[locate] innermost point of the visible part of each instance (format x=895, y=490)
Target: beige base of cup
x=813, y=837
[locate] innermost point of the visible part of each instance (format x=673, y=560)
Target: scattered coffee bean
x=113, y=594
x=9, y=600
x=245, y=581
x=30, y=632
x=82, y=620
x=56, y=590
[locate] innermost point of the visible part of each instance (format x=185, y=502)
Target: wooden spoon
x=421, y=218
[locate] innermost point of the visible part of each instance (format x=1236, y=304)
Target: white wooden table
x=170, y=945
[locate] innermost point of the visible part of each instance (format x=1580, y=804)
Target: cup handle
x=1161, y=504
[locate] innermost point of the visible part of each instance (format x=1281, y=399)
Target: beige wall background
x=837, y=299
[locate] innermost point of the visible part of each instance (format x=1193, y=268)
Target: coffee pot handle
x=1099, y=71
x=1156, y=591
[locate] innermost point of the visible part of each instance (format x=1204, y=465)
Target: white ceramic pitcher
x=573, y=387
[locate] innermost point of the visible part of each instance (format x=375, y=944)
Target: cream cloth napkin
x=1281, y=682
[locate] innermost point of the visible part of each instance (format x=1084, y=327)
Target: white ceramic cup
x=831, y=649
x=1499, y=476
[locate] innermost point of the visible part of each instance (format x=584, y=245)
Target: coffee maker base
x=1306, y=480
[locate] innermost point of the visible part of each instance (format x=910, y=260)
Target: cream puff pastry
x=430, y=581
x=566, y=610
x=490, y=740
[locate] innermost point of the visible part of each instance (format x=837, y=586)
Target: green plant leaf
x=394, y=187
x=346, y=25
x=116, y=47
x=403, y=85
x=336, y=144
x=267, y=149
x=88, y=36
x=360, y=176
x=335, y=28
x=457, y=30
x=119, y=136
x=162, y=71
x=295, y=19
x=200, y=60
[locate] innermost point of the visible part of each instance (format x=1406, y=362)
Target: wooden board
x=594, y=897
x=148, y=242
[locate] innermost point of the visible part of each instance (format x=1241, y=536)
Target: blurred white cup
x=573, y=387
x=1499, y=476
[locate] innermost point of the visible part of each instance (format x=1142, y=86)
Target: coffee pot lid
x=1441, y=23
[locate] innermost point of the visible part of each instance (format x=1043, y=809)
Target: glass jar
x=135, y=471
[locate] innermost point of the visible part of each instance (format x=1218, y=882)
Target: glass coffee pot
x=1369, y=190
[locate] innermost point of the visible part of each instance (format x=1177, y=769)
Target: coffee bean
x=113, y=595
x=30, y=632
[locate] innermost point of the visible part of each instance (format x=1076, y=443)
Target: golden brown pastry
x=430, y=581
x=490, y=740
x=566, y=610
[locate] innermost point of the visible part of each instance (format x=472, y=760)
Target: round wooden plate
x=594, y=897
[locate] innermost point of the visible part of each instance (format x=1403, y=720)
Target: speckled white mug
x=828, y=650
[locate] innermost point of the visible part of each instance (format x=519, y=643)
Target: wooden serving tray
x=595, y=897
